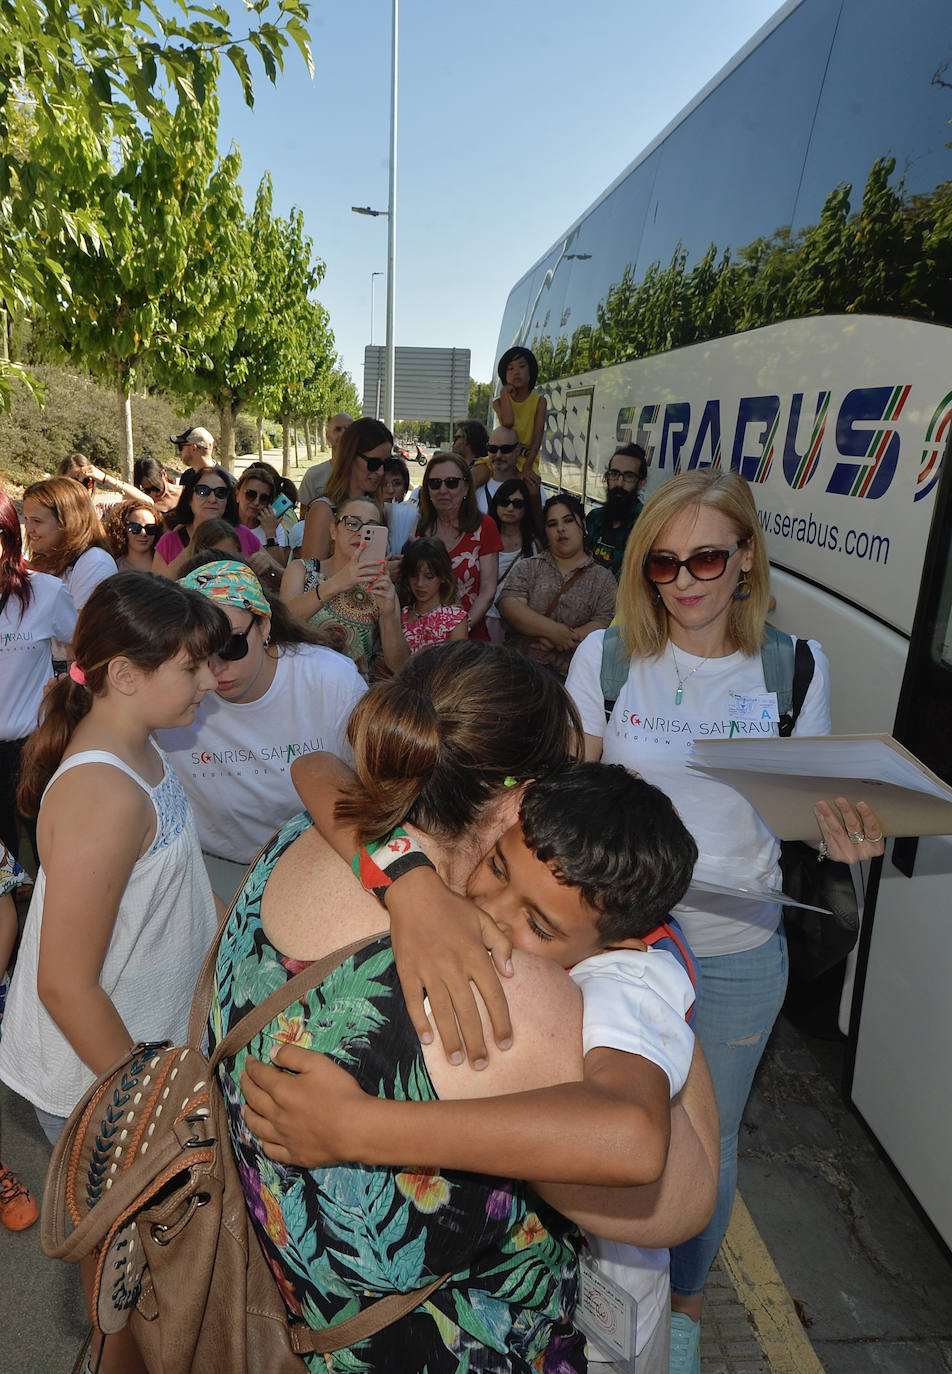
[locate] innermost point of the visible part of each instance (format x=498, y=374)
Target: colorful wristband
x=379, y=864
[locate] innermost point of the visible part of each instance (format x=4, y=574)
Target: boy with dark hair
x=593, y=865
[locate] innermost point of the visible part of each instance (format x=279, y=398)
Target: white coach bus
x=815, y=358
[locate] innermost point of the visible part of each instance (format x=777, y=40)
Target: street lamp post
x=391, y=215
x=373, y=275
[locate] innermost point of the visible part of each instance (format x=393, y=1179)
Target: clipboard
x=783, y=778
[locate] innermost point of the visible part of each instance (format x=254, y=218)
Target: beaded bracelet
x=380, y=863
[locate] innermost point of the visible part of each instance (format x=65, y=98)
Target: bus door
x=576, y=427
x=901, y=1030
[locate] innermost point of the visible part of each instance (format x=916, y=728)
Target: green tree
x=171, y=266
x=84, y=75
x=250, y=359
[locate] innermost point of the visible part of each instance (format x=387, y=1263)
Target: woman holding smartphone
x=349, y=594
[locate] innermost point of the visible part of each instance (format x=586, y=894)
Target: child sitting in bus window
x=519, y=407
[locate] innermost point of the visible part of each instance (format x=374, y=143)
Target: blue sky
x=513, y=119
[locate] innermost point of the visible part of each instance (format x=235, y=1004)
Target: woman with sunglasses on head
x=205, y=495
x=154, y=482
x=510, y=507
x=349, y=595
x=358, y=471
x=448, y=511
x=281, y=691
x=692, y=601
x=131, y=529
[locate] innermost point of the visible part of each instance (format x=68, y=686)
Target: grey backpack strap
x=614, y=669
x=788, y=670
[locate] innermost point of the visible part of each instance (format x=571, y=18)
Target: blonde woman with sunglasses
x=692, y=601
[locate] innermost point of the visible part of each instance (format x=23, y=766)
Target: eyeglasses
x=501, y=448
x=135, y=527
x=613, y=475
x=219, y=493
x=516, y=502
x=256, y=496
x=152, y=491
x=373, y=464
x=354, y=522
x=706, y=566
x=237, y=646
x=451, y=483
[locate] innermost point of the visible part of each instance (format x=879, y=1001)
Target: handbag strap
x=362, y=1325
x=565, y=586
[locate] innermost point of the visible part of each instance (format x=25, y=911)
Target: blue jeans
x=739, y=998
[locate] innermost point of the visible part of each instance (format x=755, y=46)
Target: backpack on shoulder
x=816, y=942
x=143, y=1176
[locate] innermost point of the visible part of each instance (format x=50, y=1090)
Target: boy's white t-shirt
x=637, y=1001
x=649, y=733
x=235, y=758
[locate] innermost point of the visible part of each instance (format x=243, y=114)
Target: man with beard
x=610, y=524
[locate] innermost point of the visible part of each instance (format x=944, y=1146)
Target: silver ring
x=822, y=851
x=856, y=836
x=873, y=839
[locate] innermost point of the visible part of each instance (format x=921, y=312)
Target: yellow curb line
x=760, y=1288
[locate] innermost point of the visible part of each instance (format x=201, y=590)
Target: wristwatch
x=271, y=543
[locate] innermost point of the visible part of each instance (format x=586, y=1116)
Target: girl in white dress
x=122, y=911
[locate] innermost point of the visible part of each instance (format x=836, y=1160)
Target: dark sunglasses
x=261, y=497
x=152, y=491
x=501, y=448
x=516, y=502
x=219, y=493
x=706, y=566
x=373, y=464
x=451, y=483
x=136, y=527
x=237, y=646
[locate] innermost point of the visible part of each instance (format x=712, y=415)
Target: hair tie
x=509, y=782
x=77, y=674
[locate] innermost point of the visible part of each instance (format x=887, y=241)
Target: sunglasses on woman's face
x=237, y=646
x=706, y=566
x=516, y=502
x=451, y=483
x=501, y=448
x=136, y=527
x=219, y=493
x=258, y=497
x=373, y=464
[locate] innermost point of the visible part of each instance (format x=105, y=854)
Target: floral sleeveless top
x=337, y=1239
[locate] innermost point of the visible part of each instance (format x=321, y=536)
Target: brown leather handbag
x=143, y=1175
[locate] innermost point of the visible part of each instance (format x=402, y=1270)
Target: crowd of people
x=370, y=715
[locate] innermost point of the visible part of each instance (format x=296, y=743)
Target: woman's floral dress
x=337, y=1239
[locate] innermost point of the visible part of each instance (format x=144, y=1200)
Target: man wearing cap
x=315, y=479
x=279, y=695
x=196, y=447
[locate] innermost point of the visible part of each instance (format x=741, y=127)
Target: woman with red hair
x=35, y=608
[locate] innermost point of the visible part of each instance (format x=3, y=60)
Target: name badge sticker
x=753, y=706
x=607, y=1314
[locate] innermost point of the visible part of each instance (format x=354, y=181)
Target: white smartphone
x=373, y=543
